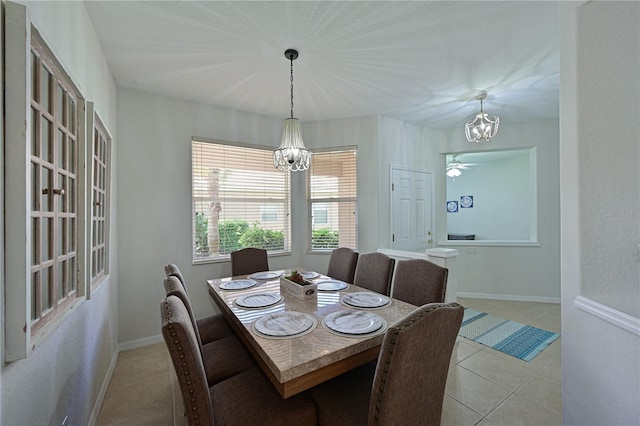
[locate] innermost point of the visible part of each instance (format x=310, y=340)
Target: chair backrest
x=418, y=281
x=172, y=270
x=342, y=264
x=180, y=338
x=249, y=260
x=374, y=271
x=173, y=287
x=411, y=374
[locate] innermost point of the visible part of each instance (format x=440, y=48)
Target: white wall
x=63, y=375
x=510, y=272
x=154, y=200
x=599, y=100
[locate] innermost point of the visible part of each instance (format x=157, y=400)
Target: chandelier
x=291, y=155
x=483, y=127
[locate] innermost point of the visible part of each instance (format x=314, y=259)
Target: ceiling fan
x=455, y=166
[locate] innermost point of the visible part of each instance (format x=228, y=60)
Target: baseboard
x=133, y=344
x=140, y=343
x=509, y=297
x=97, y=406
x=610, y=315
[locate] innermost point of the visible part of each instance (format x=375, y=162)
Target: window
x=100, y=173
x=332, y=197
x=239, y=200
x=54, y=186
x=269, y=213
x=44, y=156
x=320, y=214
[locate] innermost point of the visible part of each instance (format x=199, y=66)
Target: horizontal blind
x=332, y=195
x=239, y=200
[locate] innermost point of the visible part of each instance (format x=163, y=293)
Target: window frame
x=22, y=334
x=317, y=153
x=98, y=212
x=286, y=201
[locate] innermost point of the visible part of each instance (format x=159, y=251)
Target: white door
x=411, y=209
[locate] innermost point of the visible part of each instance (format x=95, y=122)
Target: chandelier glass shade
x=291, y=155
x=483, y=127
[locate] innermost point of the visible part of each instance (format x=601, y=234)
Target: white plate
x=365, y=299
x=267, y=275
x=332, y=285
x=308, y=275
x=237, y=284
x=287, y=323
x=258, y=300
x=354, y=322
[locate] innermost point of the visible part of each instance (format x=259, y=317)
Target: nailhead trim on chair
x=387, y=360
x=180, y=349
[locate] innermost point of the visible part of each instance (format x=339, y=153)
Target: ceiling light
x=483, y=128
x=291, y=155
x=454, y=172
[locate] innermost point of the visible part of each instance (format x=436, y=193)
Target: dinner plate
x=365, y=299
x=237, y=284
x=332, y=285
x=354, y=322
x=258, y=300
x=266, y=275
x=309, y=275
x=283, y=324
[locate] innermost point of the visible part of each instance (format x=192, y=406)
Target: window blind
x=239, y=200
x=332, y=199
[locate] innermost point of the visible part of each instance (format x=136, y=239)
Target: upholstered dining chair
x=222, y=357
x=407, y=386
x=210, y=328
x=418, y=281
x=374, y=271
x=249, y=260
x=247, y=398
x=342, y=264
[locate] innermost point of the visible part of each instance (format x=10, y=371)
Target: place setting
x=365, y=300
x=265, y=275
x=284, y=325
x=354, y=323
x=238, y=284
x=258, y=300
x=332, y=285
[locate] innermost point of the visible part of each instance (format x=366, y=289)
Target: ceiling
x=421, y=62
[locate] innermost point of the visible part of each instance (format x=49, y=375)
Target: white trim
x=489, y=243
x=140, y=343
x=97, y=405
x=608, y=314
x=510, y=297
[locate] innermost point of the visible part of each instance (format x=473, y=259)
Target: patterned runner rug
x=519, y=340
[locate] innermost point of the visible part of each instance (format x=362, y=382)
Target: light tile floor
x=485, y=387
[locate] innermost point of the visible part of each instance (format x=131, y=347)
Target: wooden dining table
x=300, y=362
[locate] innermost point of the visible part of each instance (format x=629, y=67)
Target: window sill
x=227, y=258
x=52, y=325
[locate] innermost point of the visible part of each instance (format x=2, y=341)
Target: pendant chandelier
x=291, y=155
x=483, y=128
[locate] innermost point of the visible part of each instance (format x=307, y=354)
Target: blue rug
x=519, y=340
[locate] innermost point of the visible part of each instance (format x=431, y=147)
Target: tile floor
x=485, y=387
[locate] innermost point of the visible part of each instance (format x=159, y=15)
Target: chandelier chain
x=291, y=86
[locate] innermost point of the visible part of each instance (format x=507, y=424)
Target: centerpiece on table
x=297, y=286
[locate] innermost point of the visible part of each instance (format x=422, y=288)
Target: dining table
x=300, y=343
